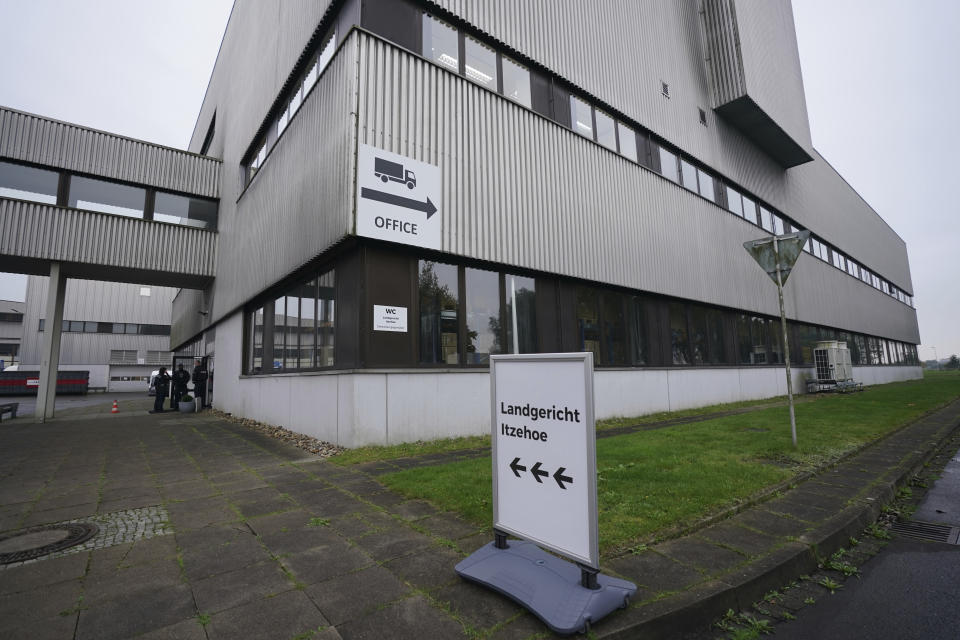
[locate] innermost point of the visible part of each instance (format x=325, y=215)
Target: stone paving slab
x=255, y=539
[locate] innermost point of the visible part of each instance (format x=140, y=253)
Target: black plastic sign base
x=546, y=585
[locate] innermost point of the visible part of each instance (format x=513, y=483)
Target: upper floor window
x=606, y=130
x=440, y=43
x=28, y=183
x=106, y=197
x=668, y=165
x=581, y=116
x=185, y=210
x=516, y=82
x=480, y=65
x=628, y=142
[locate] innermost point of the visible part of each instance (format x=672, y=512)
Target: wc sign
x=389, y=318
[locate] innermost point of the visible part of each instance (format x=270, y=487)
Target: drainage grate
x=41, y=541
x=927, y=531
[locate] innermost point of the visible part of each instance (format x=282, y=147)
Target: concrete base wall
x=358, y=408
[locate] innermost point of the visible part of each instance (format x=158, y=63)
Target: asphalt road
x=909, y=590
x=65, y=402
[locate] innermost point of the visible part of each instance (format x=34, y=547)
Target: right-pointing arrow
x=560, y=478
x=517, y=467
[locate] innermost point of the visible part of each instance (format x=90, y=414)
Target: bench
x=9, y=407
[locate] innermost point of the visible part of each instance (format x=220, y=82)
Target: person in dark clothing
x=200, y=382
x=162, y=385
x=180, y=380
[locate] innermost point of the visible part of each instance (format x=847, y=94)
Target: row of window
x=443, y=45
x=461, y=315
x=92, y=194
x=131, y=328
x=16, y=318
x=290, y=106
x=298, y=326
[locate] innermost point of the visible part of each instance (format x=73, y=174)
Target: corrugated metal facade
x=31, y=138
x=593, y=44
x=101, y=302
x=521, y=190
x=39, y=232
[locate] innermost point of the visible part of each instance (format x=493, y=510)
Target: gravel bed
x=312, y=445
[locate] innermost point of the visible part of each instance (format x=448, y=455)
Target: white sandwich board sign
x=544, y=452
x=397, y=198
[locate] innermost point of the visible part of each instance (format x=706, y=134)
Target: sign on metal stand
x=545, y=493
x=776, y=255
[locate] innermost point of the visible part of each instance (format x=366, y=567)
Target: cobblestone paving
x=119, y=527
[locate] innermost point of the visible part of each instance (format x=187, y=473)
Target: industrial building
x=119, y=333
x=405, y=188
x=11, y=332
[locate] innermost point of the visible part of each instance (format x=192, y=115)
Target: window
x=668, y=165
x=613, y=330
x=886, y=287
x=441, y=43
x=588, y=320
x=482, y=298
x=255, y=358
x=326, y=319
x=521, y=314
x=106, y=197
x=698, y=334
x=679, y=343
x=581, y=115
x=145, y=291
x=637, y=319
x=606, y=130
x=777, y=224
x=628, y=142
x=157, y=357
x=688, y=174
x=734, y=202
x=291, y=351
x=439, y=293
x=516, y=82
x=749, y=209
x=706, y=184
x=185, y=210
x=480, y=65
x=27, y=183
x=279, y=331
x=306, y=327
x=766, y=219
x=323, y=59
x=703, y=117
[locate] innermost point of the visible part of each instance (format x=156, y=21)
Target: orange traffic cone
x=115, y=408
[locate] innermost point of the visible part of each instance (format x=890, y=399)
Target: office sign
x=397, y=198
x=544, y=451
x=389, y=318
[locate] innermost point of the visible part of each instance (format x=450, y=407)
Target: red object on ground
x=115, y=408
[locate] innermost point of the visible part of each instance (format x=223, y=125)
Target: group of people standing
x=180, y=379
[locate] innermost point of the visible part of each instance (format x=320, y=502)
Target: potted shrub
x=186, y=403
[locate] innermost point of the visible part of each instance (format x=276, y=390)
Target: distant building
x=380, y=195
x=11, y=332
x=118, y=332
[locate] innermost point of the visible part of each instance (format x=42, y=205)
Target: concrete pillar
x=50, y=356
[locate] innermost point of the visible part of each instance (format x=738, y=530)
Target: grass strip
x=653, y=481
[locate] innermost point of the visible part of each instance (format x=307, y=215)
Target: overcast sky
x=880, y=76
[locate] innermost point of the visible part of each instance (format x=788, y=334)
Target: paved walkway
x=212, y=530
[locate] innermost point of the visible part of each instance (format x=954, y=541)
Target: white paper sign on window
x=389, y=318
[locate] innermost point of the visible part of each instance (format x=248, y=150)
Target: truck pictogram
x=387, y=171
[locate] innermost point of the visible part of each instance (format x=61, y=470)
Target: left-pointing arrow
x=560, y=478
x=408, y=203
x=517, y=467
x=537, y=473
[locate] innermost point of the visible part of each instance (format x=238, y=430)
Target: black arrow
x=408, y=203
x=560, y=478
x=537, y=472
x=517, y=467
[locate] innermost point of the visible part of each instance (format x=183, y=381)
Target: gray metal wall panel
x=40, y=140
x=771, y=64
x=185, y=315
x=44, y=232
x=523, y=191
x=101, y=302
x=587, y=43
x=301, y=201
